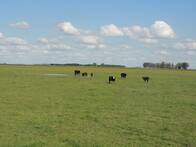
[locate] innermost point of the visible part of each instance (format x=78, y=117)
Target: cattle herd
x=110, y=78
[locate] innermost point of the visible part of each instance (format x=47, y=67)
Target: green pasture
x=38, y=110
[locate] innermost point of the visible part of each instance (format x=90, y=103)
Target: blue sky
x=127, y=32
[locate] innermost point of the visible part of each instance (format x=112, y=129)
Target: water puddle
x=55, y=75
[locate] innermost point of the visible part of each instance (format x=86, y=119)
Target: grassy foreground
x=38, y=110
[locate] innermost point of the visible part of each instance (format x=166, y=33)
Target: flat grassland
x=37, y=109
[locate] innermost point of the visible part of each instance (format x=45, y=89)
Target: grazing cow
x=77, y=72
x=146, y=79
x=91, y=74
x=112, y=78
x=84, y=74
x=123, y=75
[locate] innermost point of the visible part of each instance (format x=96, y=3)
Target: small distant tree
x=185, y=65
x=178, y=66
x=146, y=65
x=149, y=65
x=94, y=64
x=167, y=65
x=162, y=65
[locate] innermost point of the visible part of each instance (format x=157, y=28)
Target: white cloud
x=190, y=45
x=52, y=44
x=101, y=46
x=141, y=34
x=111, y=30
x=159, y=29
x=12, y=41
x=91, y=39
x=1, y=35
x=95, y=46
x=148, y=40
x=43, y=40
x=60, y=46
x=191, y=53
x=45, y=51
x=26, y=47
x=18, y=46
x=148, y=35
x=163, y=52
x=162, y=29
x=14, y=45
x=138, y=32
x=125, y=46
x=21, y=25
x=68, y=28
x=16, y=41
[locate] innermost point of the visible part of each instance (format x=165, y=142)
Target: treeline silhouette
x=181, y=65
x=93, y=64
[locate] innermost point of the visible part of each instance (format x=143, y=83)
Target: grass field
x=38, y=110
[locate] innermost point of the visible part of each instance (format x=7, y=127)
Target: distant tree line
x=93, y=64
x=182, y=65
x=110, y=65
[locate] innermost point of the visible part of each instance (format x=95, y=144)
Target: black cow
x=146, y=79
x=77, y=72
x=84, y=74
x=123, y=75
x=112, y=78
x=91, y=74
